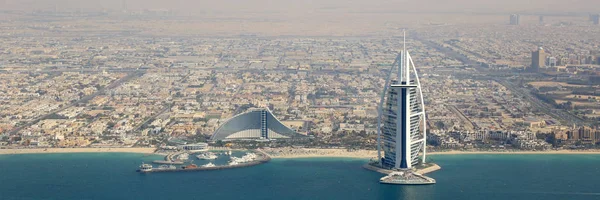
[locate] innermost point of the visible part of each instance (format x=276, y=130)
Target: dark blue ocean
x=112, y=176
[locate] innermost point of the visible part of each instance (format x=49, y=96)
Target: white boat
x=249, y=157
x=145, y=167
x=207, y=156
x=183, y=156
x=209, y=165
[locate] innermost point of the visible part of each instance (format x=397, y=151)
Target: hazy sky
x=307, y=6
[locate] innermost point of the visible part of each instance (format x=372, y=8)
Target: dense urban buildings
x=113, y=80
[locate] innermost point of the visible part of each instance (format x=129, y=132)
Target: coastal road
x=151, y=118
x=449, y=52
x=465, y=120
x=563, y=116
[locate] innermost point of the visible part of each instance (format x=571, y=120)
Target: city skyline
x=285, y=99
x=143, y=77
x=430, y=6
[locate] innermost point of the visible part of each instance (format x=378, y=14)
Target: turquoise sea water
x=112, y=176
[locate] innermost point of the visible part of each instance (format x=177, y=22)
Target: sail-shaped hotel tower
x=401, y=133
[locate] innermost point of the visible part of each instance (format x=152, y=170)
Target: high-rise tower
x=515, y=19
x=538, y=60
x=401, y=121
x=124, y=6
x=595, y=19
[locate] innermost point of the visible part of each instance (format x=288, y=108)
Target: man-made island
x=249, y=159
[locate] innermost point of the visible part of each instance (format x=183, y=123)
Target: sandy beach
x=343, y=153
x=517, y=152
x=78, y=150
x=312, y=153
x=288, y=152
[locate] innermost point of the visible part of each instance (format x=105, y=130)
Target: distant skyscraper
x=541, y=20
x=596, y=19
x=515, y=19
x=538, y=59
x=401, y=121
x=124, y=6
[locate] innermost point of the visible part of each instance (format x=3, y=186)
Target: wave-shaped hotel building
x=255, y=124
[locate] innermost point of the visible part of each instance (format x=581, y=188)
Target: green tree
x=440, y=125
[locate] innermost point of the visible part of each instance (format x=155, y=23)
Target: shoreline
x=77, y=150
x=297, y=153
x=552, y=152
x=367, y=154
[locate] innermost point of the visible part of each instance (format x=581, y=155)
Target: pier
x=167, y=162
x=262, y=158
